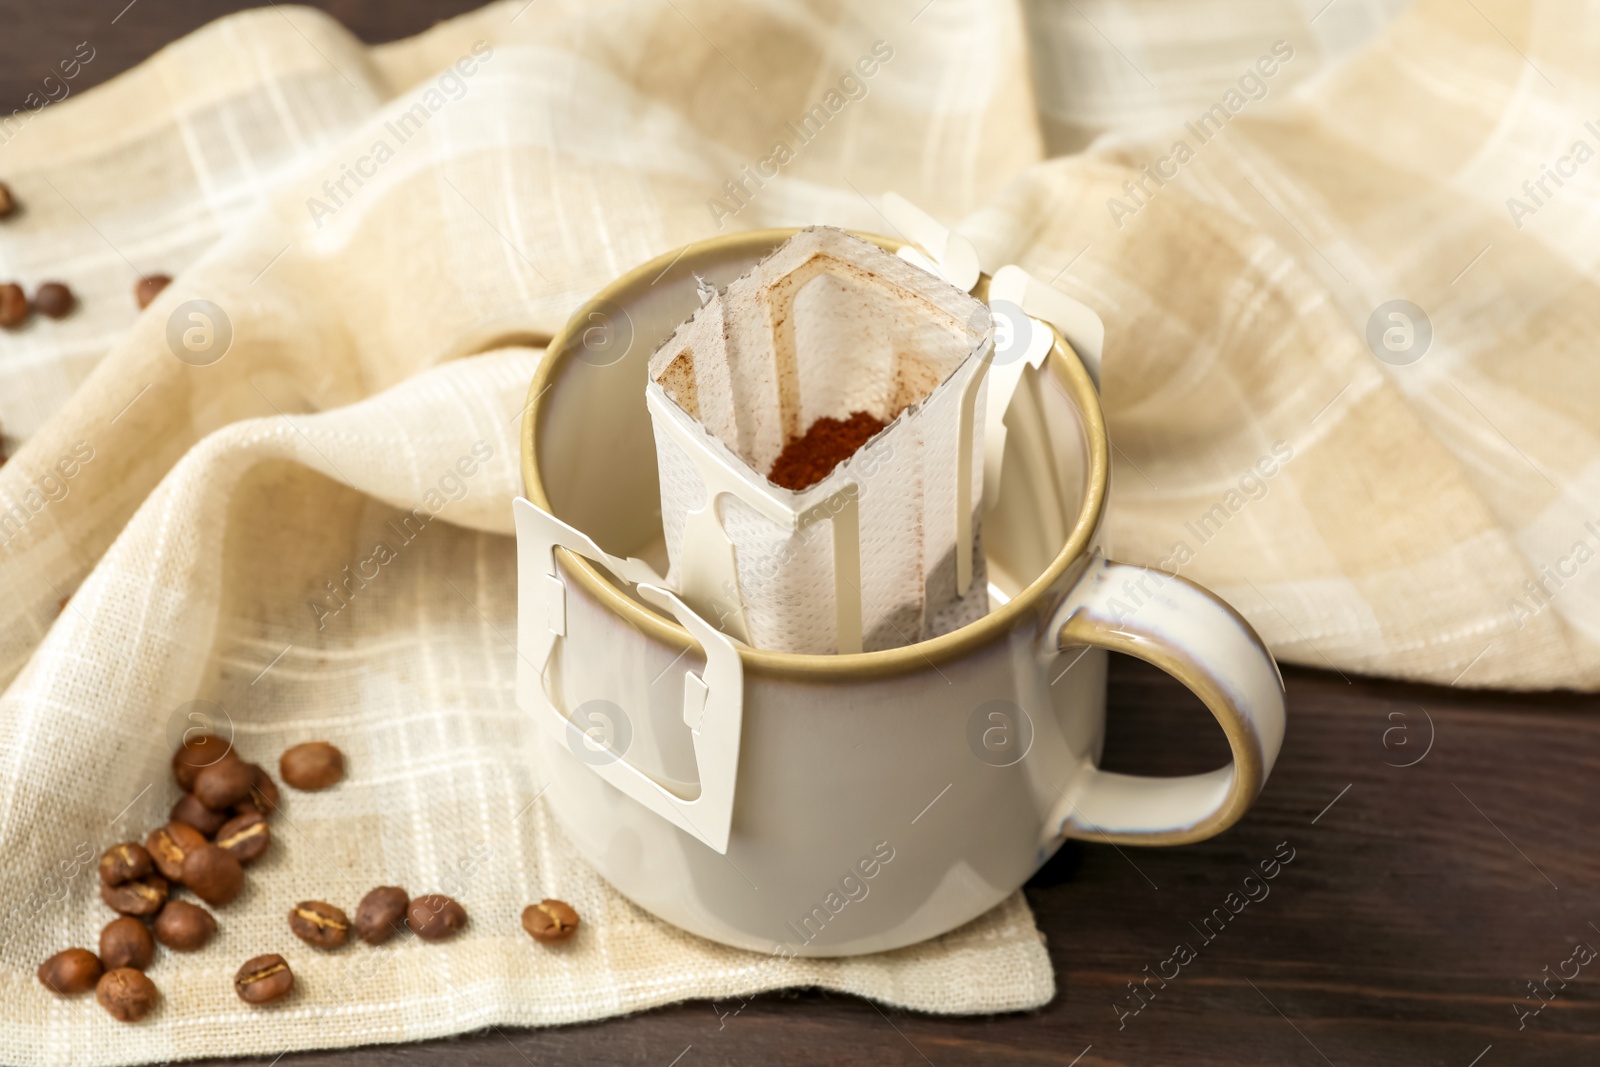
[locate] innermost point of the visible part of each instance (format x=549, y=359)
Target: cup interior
x=589, y=449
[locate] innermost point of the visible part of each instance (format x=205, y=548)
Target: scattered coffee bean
x=184, y=927
x=142, y=896
x=197, y=753
x=125, y=862
x=550, y=920
x=13, y=305
x=169, y=844
x=126, y=993
x=246, y=836
x=435, y=917
x=8, y=202
x=319, y=925
x=264, y=979
x=149, y=287
x=213, y=873
x=189, y=811
x=71, y=971
x=264, y=796
x=223, y=784
x=381, y=913
x=125, y=942
x=311, y=766
x=54, y=299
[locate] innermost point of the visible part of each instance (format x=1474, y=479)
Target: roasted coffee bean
x=550, y=920
x=149, y=287
x=264, y=796
x=311, y=766
x=319, y=925
x=246, y=836
x=223, y=784
x=189, y=811
x=435, y=917
x=54, y=299
x=125, y=862
x=126, y=943
x=213, y=873
x=13, y=305
x=197, y=753
x=263, y=800
x=169, y=844
x=8, y=202
x=381, y=913
x=264, y=979
x=126, y=993
x=143, y=896
x=184, y=927
x=70, y=971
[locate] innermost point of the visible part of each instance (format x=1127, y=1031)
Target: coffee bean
x=258, y=780
x=126, y=993
x=264, y=796
x=311, y=766
x=54, y=299
x=149, y=287
x=13, y=305
x=264, y=979
x=8, y=202
x=143, y=896
x=550, y=920
x=184, y=927
x=380, y=913
x=435, y=917
x=246, y=836
x=70, y=971
x=169, y=844
x=189, y=811
x=319, y=925
x=213, y=873
x=223, y=784
x=125, y=942
x=125, y=862
x=195, y=754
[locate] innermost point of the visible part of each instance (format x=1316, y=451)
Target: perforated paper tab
x=886, y=549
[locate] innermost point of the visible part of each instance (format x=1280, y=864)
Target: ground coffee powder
x=808, y=459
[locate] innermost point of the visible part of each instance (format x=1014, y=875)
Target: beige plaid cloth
x=390, y=233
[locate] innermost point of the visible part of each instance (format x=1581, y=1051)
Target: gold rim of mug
x=1064, y=367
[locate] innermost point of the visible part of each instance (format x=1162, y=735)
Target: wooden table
x=1419, y=903
x=1441, y=843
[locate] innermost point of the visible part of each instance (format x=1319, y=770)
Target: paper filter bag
x=886, y=549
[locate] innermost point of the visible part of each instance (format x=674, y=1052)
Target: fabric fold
x=283, y=489
x=277, y=501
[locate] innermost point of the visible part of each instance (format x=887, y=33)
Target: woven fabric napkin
x=296, y=509
x=389, y=235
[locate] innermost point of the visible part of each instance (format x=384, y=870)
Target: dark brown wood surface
x=1444, y=847
x=35, y=35
x=1420, y=902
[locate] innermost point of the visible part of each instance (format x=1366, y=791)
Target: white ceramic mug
x=834, y=805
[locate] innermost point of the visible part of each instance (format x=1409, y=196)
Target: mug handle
x=1197, y=638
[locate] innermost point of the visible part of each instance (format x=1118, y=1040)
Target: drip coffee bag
x=819, y=428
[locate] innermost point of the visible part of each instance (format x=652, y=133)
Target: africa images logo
x=1252, y=86
x=803, y=130
x=407, y=123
